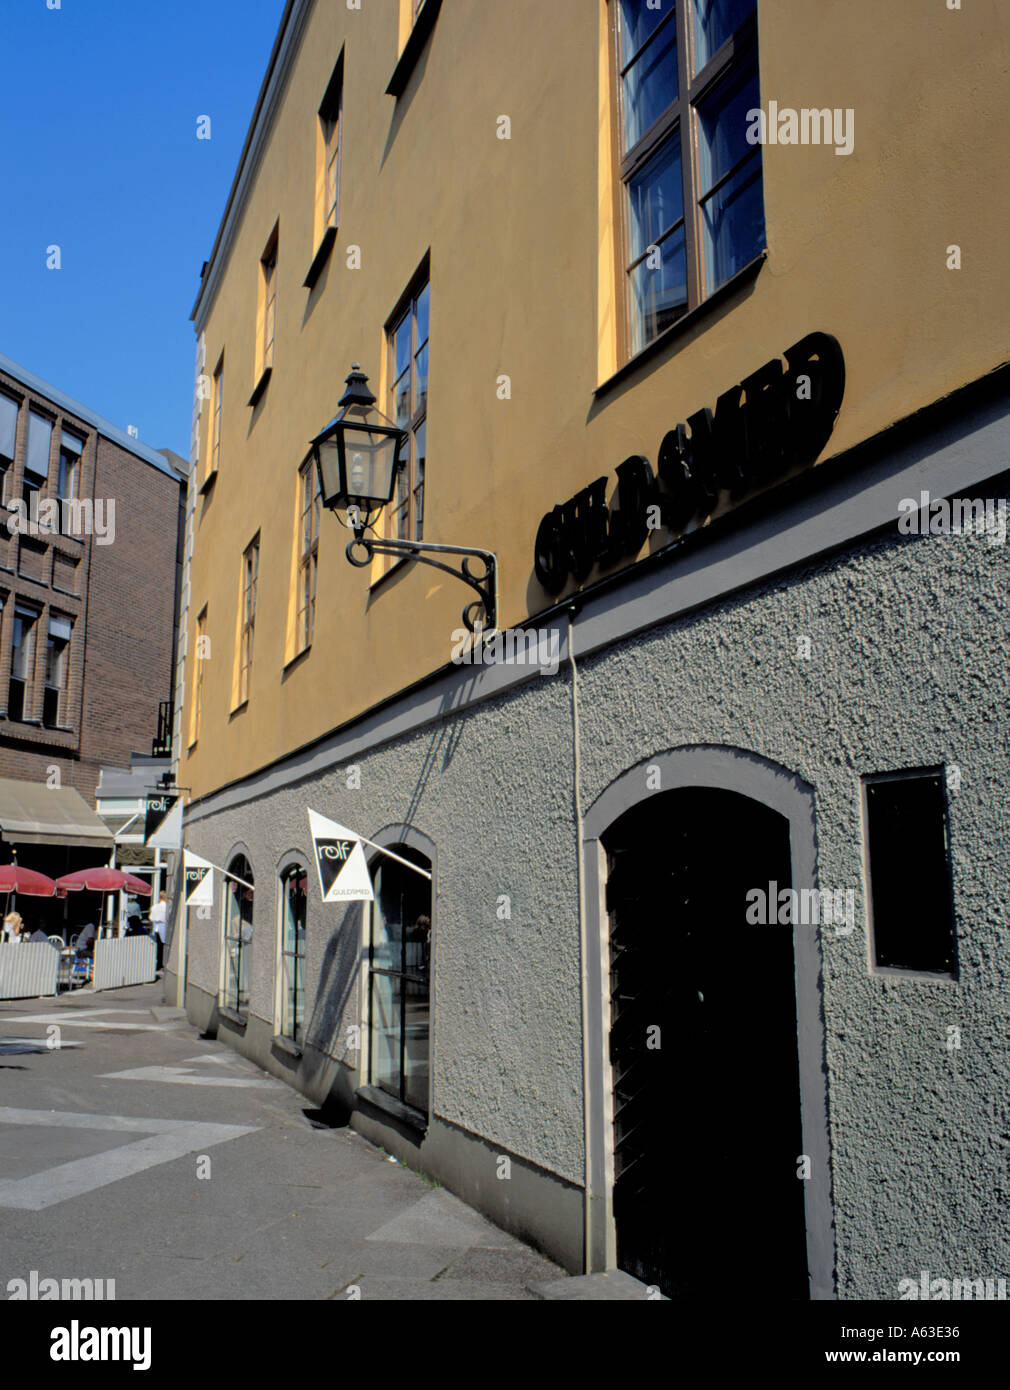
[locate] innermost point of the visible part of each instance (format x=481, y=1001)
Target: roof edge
x=98, y=422
x=291, y=26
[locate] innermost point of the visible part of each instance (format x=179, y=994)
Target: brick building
x=89, y=564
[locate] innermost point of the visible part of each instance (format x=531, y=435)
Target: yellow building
x=675, y=307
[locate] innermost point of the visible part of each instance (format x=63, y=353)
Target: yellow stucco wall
x=857, y=247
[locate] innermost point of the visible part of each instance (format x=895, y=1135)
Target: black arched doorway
x=703, y=1049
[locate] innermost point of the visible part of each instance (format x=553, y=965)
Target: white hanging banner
x=340, y=860
x=166, y=833
x=199, y=887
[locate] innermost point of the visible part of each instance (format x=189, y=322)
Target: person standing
x=159, y=921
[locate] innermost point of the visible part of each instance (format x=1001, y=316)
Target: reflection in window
x=238, y=933
x=293, y=904
x=694, y=207
x=399, y=971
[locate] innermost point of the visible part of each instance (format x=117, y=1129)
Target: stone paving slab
x=614, y=1286
x=287, y=1209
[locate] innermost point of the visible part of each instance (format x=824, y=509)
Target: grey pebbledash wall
x=907, y=669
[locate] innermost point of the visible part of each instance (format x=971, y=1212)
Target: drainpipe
x=572, y=610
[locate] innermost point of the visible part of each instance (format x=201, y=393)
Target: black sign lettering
x=776, y=421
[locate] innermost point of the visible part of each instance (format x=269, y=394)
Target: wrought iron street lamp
x=358, y=456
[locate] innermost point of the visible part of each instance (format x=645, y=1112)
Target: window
x=330, y=131
x=22, y=680
x=217, y=389
x=408, y=373
x=294, y=885
x=238, y=932
x=69, y=476
x=199, y=651
x=40, y=433
x=694, y=209
x=310, y=508
x=908, y=857
x=250, y=574
x=57, y=665
x=399, y=959
x=268, y=296
x=8, y=439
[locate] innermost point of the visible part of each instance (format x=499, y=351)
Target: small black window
x=909, y=870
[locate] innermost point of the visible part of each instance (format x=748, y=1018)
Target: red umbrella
x=15, y=879
x=103, y=880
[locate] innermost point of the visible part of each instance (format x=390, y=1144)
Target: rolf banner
x=199, y=888
x=163, y=821
x=340, y=859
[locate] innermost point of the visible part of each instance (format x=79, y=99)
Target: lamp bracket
x=482, y=614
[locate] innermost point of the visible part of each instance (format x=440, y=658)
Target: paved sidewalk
x=102, y=1146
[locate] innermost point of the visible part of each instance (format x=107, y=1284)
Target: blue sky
x=98, y=115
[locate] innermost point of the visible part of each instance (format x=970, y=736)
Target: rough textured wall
x=493, y=790
x=907, y=669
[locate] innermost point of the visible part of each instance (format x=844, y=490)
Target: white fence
x=28, y=970
x=127, y=960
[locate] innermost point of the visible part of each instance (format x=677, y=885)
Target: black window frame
x=874, y=945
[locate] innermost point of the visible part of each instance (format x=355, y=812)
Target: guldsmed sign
x=774, y=422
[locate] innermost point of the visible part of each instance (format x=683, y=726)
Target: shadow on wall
x=336, y=980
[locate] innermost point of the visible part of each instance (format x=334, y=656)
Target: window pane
x=386, y=1033
x=657, y=198
x=722, y=126
x=421, y=380
x=733, y=225
x=401, y=398
x=658, y=293
x=415, y=1044
x=733, y=218
x=401, y=348
x=8, y=426
x=650, y=86
x=714, y=21
x=906, y=825
x=638, y=21
x=39, y=434
x=420, y=459
x=423, y=304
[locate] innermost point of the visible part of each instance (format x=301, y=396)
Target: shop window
x=294, y=886
x=238, y=934
x=54, y=695
x=399, y=961
x=21, y=688
x=908, y=855
x=694, y=206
